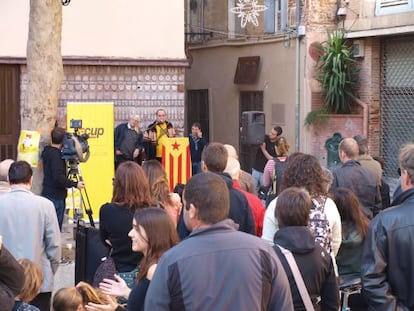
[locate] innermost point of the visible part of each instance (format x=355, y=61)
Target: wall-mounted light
x=341, y=12
x=65, y=2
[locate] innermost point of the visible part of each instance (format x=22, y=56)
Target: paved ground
x=65, y=276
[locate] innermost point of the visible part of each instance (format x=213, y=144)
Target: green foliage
x=338, y=73
x=317, y=117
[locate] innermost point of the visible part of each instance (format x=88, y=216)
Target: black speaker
x=253, y=127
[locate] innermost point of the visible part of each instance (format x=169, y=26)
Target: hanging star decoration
x=248, y=11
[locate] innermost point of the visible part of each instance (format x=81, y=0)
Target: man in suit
x=30, y=228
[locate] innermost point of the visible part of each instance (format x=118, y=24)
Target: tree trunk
x=45, y=73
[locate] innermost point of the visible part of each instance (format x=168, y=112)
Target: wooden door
x=9, y=110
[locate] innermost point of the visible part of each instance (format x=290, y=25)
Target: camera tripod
x=75, y=175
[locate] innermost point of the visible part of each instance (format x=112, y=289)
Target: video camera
x=75, y=146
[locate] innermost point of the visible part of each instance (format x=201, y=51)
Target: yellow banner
x=176, y=160
x=97, y=172
x=28, y=148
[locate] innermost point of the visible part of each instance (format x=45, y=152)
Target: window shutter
x=269, y=16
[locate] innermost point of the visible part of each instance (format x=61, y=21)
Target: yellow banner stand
x=98, y=171
x=176, y=160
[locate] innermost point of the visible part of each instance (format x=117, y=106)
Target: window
x=234, y=24
x=275, y=17
x=195, y=20
x=384, y=7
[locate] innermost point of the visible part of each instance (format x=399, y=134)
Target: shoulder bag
x=298, y=278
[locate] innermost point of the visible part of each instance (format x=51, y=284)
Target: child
x=33, y=281
x=75, y=298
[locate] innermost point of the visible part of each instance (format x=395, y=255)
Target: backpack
x=278, y=172
x=319, y=224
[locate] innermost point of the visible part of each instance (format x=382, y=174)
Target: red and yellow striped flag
x=176, y=160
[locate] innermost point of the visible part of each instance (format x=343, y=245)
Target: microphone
x=151, y=126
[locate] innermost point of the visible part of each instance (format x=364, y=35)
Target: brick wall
x=369, y=91
x=346, y=125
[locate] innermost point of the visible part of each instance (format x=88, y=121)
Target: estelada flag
x=176, y=160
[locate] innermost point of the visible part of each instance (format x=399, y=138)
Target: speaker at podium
x=253, y=127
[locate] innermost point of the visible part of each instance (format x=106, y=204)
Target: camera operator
x=55, y=180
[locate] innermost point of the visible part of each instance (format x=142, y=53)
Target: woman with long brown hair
x=131, y=192
x=354, y=229
x=160, y=189
x=153, y=233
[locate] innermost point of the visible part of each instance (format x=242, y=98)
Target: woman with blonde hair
x=274, y=171
x=131, y=192
x=33, y=281
x=160, y=189
x=282, y=151
x=75, y=298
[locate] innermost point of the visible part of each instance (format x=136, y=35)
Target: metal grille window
x=397, y=99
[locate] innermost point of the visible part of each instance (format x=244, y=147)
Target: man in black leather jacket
x=387, y=269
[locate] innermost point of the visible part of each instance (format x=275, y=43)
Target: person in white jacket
x=305, y=171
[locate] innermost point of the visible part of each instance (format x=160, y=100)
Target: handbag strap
x=298, y=278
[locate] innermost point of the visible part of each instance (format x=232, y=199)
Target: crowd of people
x=216, y=243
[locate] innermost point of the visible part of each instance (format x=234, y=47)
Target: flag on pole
x=176, y=160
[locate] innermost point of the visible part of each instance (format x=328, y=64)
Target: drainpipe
x=297, y=87
x=365, y=116
x=297, y=91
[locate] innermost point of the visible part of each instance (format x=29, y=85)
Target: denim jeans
x=196, y=166
x=60, y=206
x=258, y=177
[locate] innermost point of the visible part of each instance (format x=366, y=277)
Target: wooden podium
x=176, y=160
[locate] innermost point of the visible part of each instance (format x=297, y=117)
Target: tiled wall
x=140, y=90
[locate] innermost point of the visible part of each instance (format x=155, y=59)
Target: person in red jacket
x=256, y=205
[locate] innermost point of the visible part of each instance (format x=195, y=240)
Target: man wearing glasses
x=128, y=141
